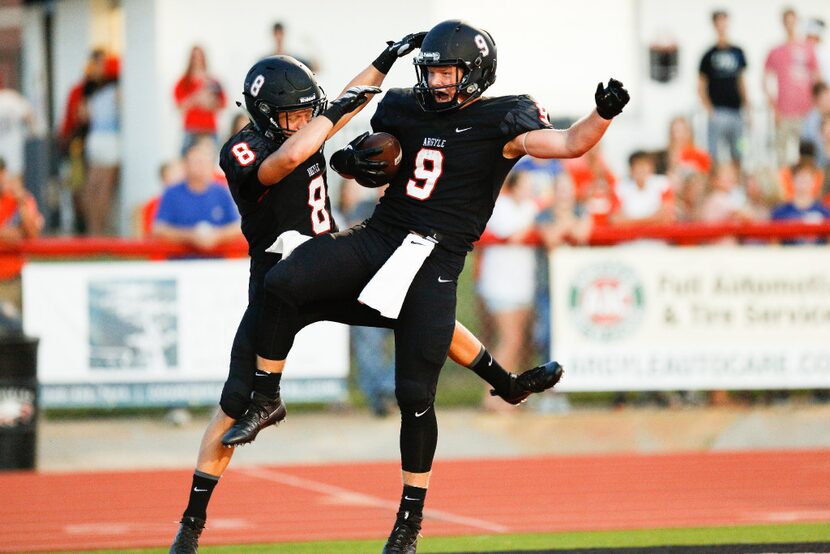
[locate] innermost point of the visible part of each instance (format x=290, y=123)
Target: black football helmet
x=459, y=44
x=275, y=86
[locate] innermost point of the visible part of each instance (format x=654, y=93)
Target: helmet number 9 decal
x=482, y=45
x=243, y=154
x=259, y=80
x=428, y=167
x=320, y=220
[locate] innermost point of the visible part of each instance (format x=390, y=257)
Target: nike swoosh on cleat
x=422, y=413
x=457, y=130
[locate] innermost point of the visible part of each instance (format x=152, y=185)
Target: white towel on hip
x=287, y=242
x=386, y=291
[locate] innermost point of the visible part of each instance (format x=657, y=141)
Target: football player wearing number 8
x=276, y=174
x=457, y=149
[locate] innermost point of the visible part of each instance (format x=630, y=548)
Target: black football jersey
x=299, y=202
x=452, y=167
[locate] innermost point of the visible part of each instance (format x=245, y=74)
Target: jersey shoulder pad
x=396, y=104
x=242, y=155
x=522, y=114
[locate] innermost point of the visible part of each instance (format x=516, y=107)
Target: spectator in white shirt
x=644, y=198
x=507, y=281
x=16, y=121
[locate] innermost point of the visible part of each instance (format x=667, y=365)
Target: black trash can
x=18, y=402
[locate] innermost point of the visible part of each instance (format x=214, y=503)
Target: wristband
x=334, y=113
x=385, y=61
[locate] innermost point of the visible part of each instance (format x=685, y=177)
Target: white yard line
x=344, y=495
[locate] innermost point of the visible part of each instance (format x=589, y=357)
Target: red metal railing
x=691, y=233
x=687, y=233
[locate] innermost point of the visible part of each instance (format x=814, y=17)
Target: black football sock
x=491, y=371
x=200, y=492
x=267, y=384
x=412, y=501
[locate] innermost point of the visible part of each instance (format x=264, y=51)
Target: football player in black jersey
x=277, y=176
x=457, y=148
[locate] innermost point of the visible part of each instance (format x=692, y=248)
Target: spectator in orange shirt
x=19, y=219
x=806, y=155
x=585, y=170
x=19, y=216
x=200, y=97
x=170, y=173
x=682, y=154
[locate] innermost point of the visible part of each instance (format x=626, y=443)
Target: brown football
x=391, y=154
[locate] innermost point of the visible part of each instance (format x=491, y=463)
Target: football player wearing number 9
x=457, y=149
x=276, y=174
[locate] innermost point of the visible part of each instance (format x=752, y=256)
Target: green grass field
x=754, y=534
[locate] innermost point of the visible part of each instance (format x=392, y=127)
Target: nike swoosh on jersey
x=457, y=130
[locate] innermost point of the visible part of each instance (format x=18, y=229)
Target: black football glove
x=611, y=99
x=353, y=162
x=351, y=100
x=399, y=49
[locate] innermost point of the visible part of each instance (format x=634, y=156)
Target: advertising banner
x=157, y=333
x=655, y=317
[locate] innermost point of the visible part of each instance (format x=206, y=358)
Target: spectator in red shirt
x=794, y=67
x=73, y=133
x=200, y=97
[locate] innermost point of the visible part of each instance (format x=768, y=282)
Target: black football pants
x=327, y=274
x=236, y=393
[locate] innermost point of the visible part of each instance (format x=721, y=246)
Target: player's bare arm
x=580, y=137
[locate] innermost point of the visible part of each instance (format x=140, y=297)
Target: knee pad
x=413, y=396
x=236, y=396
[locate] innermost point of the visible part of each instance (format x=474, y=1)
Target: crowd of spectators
x=684, y=182
x=706, y=181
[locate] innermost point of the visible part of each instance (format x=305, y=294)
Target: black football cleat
x=187, y=539
x=404, y=536
x=262, y=413
x=538, y=379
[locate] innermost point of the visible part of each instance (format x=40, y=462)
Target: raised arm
x=580, y=137
x=377, y=71
x=308, y=140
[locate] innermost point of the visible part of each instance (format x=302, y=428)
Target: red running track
x=76, y=511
